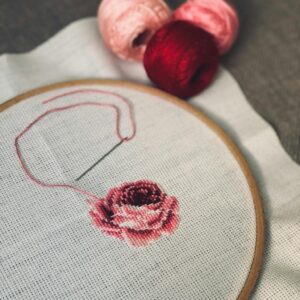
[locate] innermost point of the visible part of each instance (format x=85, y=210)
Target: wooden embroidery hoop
x=259, y=215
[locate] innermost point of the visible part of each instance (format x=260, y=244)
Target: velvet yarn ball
x=127, y=25
x=181, y=59
x=217, y=17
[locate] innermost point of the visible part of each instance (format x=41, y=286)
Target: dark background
x=265, y=60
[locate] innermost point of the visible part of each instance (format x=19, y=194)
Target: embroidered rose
x=138, y=212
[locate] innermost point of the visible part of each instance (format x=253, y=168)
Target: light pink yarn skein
x=127, y=25
x=217, y=17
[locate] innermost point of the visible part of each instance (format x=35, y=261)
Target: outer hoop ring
x=257, y=201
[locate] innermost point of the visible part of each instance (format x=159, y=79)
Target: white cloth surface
x=209, y=254
x=78, y=52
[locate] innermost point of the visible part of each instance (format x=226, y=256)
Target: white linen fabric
x=47, y=232
x=76, y=53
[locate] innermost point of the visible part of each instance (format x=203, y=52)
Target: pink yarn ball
x=128, y=25
x=214, y=16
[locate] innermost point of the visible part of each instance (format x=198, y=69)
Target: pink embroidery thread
x=96, y=91
x=55, y=110
x=138, y=212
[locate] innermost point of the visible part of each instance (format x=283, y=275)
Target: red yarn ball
x=181, y=59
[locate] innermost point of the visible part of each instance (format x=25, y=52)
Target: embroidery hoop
x=257, y=202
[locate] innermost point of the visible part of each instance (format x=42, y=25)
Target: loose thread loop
x=68, y=107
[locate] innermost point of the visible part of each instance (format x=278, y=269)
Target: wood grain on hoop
x=260, y=228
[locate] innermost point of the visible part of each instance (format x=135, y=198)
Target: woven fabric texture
x=78, y=53
x=51, y=249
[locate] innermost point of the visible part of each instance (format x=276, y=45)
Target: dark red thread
x=138, y=212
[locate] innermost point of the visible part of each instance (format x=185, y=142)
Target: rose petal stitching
x=102, y=224
x=139, y=218
x=138, y=212
x=116, y=234
x=113, y=196
x=140, y=238
x=170, y=224
x=169, y=205
x=101, y=209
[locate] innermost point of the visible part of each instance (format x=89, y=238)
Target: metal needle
x=97, y=162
